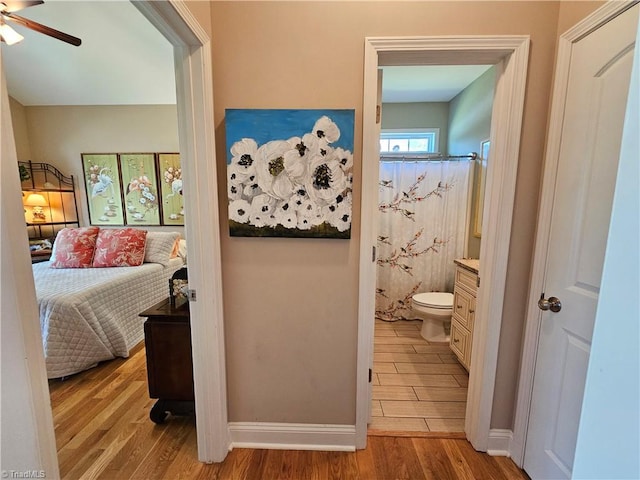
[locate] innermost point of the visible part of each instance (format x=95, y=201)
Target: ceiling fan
x=10, y=36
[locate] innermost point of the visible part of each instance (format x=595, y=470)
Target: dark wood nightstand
x=167, y=335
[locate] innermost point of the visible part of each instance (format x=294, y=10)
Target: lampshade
x=36, y=200
x=9, y=35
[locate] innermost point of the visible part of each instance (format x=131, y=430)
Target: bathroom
x=430, y=216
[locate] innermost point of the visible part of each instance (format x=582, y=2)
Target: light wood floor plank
x=381, y=392
x=391, y=348
x=384, y=367
x=396, y=408
x=429, y=368
x=396, y=424
x=407, y=357
x=440, y=394
x=410, y=379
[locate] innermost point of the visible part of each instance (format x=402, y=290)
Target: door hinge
x=370, y=375
x=478, y=282
x=192, y=295
x=377, y=113
x=373, y=254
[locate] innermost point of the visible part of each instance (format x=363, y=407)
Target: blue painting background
x=266, y=125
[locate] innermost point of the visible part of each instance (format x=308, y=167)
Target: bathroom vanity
x=464, y=308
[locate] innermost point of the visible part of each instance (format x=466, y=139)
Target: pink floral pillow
x=121, y=247
x=74, y=248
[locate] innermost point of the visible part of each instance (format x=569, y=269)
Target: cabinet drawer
x=466, y=278
x=464, y=305
x=460, y=343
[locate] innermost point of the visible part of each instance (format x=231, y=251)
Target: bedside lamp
x=37, y=201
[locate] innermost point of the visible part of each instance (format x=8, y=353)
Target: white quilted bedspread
x=88, y=315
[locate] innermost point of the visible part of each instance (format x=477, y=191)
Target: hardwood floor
x=417, y=386
x=103, y=431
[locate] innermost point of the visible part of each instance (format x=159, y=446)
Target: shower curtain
x=422, y=226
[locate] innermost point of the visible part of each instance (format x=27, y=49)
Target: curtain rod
x=426, y=158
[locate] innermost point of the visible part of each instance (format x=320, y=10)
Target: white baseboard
x=293, y=436
x=499, y=444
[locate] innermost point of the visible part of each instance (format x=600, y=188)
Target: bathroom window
x=419, y=140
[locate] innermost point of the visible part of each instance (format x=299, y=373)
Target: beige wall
x=59, y=135
x=291, y=305
x=572, y=11
x=20, y=131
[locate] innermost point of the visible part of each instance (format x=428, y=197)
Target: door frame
x=192, y=57
x=196, y=132
x=510, y=54
x=533, y=317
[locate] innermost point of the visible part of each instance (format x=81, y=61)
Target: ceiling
x=439, y=83
x=124, y=60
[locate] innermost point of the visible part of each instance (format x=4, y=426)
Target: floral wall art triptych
x=290, y=172
x=133, y=188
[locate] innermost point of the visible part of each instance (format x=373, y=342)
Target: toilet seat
x=435, y=300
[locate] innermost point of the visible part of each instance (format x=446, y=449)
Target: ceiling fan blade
x=38, y=27
x=15, y=5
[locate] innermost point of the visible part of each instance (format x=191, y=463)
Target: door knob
x=552, y=303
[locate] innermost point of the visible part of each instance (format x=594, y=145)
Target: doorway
x=509, y=55
x=434, y=119
x=192, y=55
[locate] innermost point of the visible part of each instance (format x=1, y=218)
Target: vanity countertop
x=472, y=264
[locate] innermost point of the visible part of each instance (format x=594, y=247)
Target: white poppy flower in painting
x=339, y=214
x=286, y=215
x=326, y=130
x=309, y=215
x=239, y=211
x=243, y=158
x=262, y=206
x=251, y=190
x=296, y=160
x=345, y=158
x=271, y=172
x=234, y=190
x=326, y=180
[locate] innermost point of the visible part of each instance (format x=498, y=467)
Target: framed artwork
x=102, y=186
x=481, y=174
x=290, y=172
x=171, y=188
x=140, y=187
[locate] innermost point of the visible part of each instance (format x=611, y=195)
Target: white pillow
x=160, y=246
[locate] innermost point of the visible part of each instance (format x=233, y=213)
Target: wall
x=419, y=115
x=469, y=126
x=291, y=305
x=59, y=135
x=20, y=131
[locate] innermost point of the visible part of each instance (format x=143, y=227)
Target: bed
x=88, y=315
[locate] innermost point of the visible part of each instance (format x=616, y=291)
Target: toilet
x=434, y=308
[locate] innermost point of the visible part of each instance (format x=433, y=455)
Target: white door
x=591, y=133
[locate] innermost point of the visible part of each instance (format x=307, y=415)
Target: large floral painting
x=290, y=172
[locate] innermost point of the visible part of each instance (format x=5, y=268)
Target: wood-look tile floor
x=418, y=386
